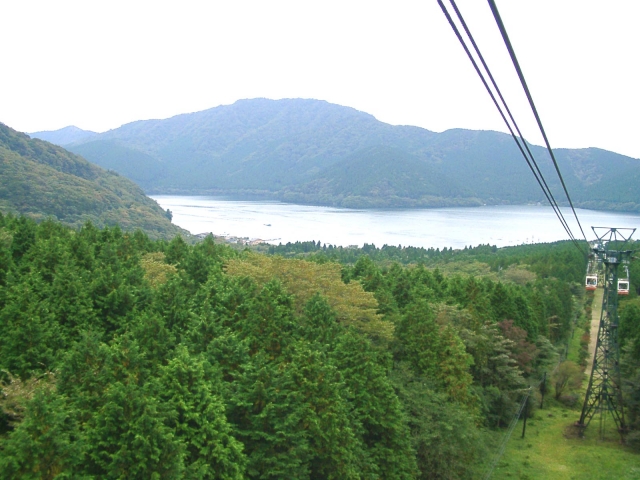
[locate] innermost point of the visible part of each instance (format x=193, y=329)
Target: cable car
x=623, y=283
x=591, y=282
x=623, y=287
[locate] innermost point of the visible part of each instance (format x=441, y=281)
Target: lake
x=276, y=222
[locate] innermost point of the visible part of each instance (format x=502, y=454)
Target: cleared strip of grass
x=552, y=449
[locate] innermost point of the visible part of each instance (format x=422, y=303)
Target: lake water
x=276, y=222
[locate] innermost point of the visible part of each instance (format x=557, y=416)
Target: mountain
x=64, y=136
x=312, y=151
x=381, y=176
x=42, y=180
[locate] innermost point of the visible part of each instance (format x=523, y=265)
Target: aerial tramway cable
x=530, y=159
x=516, y=64
x=540, y=180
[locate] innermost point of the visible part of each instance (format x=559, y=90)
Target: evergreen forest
x=123, y=356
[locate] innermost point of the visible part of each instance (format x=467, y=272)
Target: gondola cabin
x=592, y=282
x=623, y=287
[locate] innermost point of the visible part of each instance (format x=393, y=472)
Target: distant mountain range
x=311, y=151
x=64, y=136
x=42, y=180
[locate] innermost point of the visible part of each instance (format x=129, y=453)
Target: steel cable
x=546, y=189
x=484, y=81
x=516, y=64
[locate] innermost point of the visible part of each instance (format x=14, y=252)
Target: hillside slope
x=42, y=180
x=381, y=176
x=294, y=149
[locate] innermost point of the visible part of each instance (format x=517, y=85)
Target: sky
x=100, y=64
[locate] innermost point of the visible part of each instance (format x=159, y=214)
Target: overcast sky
x=98, y=65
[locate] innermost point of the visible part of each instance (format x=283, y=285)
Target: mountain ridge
x=42, y=180
x=64, y=136
x=288, y=148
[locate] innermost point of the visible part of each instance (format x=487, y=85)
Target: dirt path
x=596, y=310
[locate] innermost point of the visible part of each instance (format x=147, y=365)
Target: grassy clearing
x=552, y=449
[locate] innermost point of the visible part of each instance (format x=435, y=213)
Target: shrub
x=567, y=376
x=569, y=400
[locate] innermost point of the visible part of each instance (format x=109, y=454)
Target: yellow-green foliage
x=5, y=238
x=304, y=279
x=156, y=269
x=518, y=274
x=471, y=268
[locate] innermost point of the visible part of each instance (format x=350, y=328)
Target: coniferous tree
x=375, y=406
x=198, y=419
x=445, y=439
x=46, y=444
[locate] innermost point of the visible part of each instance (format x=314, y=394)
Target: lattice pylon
x=604, y=393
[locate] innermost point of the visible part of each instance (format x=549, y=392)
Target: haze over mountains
x=65, y=136
x=311, y=151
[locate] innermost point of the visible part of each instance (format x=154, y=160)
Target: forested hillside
x=311, y=151
x=42, y=180
x=125, y=357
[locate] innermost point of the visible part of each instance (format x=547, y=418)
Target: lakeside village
x=232, y=239
x=244, y=241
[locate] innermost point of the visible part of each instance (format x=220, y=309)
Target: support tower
x=604, y=392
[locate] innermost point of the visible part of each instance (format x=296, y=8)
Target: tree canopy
x=127, y=357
